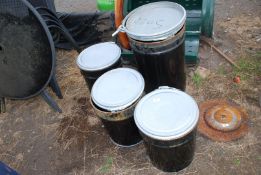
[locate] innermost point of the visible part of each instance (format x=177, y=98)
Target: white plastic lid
x=154, y=21
x=166, y=114
x=117, y=89
x=99, y=56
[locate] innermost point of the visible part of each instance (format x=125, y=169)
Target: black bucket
x=120, y=126
x=115, y=107
x=162, y=63
x=91, y=77
x=167, y=120
x=97, y=60
x=171, y=156
x=156, y=32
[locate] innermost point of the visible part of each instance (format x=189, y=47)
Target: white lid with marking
x=154, y=21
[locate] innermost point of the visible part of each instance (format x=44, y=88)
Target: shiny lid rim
x=85, y=68
x=119, y=107
x=158, y=36
x=154, y=135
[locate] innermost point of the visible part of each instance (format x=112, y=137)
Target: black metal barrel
x=120, y=125
x=114, y=98
x=162, y=63
x=171, y=156
x=156, y=32
x=91, y=76
x=167, y=120
x=97, y=60
x=123, y=132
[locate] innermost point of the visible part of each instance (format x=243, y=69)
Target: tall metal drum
x=157, y=33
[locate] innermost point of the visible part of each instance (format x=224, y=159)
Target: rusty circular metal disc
x=222, y=120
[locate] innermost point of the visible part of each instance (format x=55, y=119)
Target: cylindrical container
x=98, y=59
x=157, y=33
x=167, y=119
x=161, y=63
x=114, y=97
x=105, y=5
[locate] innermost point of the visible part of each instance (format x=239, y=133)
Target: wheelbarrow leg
x=55, y=87
x=50, y=101
x=2, y=105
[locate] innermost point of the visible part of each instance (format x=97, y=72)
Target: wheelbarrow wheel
x=208, y=7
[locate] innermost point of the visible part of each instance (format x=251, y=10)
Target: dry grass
x=245, y=30
x=74, y=128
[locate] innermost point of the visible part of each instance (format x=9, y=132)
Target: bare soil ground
x=37, y=141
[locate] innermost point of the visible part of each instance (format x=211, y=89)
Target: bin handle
x=165, y=87
x=121, y=28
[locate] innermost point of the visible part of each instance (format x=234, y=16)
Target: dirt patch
x=245, y=30
x=74, y=128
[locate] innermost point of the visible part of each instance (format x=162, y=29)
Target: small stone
x=228, y=19
x=60, y=117
x=225, y=51
x=203, y=72
x=1, y=141
x=17, y=134
x=93, y=121
x=240, y=30
x=20, y=157
x=260, y=100
x=218, y=42
x=258, y=40
x=249, y=35
x=19, y=120
x=191, y=74
x=203, y=55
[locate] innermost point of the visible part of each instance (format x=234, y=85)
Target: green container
x=105, y=5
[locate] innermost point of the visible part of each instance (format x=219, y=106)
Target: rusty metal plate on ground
x=222, y=120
